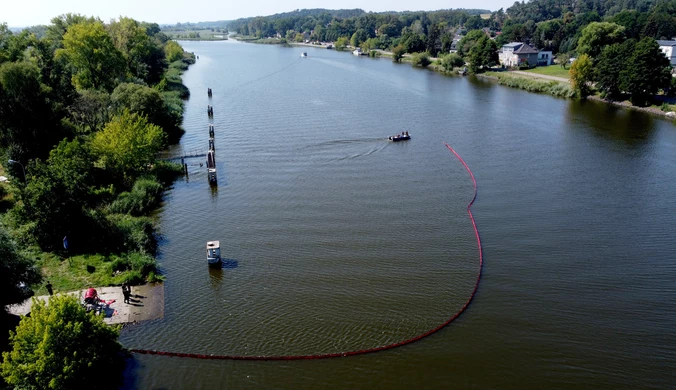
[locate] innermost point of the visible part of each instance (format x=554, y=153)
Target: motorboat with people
x=303, y=54
x=404, y=136
x=213, y=253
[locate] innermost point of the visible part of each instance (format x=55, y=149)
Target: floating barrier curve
x=361, y=351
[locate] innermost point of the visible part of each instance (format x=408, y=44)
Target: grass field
x=552, y=70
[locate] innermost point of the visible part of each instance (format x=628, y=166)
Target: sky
x=23, y=13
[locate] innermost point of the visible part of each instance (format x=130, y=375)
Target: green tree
x=468, y=41
x=60, y=346
x=144, y=55
x=597, y=35
x=16, y=271
x=90, y=51
x=647, y=71
x=128, y=145
x=173, y=51
x=358, y=37
x=483, y=54
x=398, y=53
x=609, y=66
x=28, y=126
x=433, y=42
x=146, y=101
x=341, y=43
x=581, y=75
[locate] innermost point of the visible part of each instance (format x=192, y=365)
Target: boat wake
x=346, y=149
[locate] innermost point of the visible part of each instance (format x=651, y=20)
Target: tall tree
x=128, y=144
x=597, y=35
x=582, y=75
x=90, y=51
x=483, y=55
x=647, y=71
x=609, y=66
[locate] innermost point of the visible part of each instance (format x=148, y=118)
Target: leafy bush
x=167, y=171
x=451, y=61
x=421, y=59
x=398, y=53
x=145, y=195
x=134, y=233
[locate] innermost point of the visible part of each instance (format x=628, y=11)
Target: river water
x=337, y=240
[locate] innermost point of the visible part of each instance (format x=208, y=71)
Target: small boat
x=400, y=137
x=213, y=253
x=303, y=54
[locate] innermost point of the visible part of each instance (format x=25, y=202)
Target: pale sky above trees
x=33, y=12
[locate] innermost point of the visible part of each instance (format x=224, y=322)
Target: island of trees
x=614, y=42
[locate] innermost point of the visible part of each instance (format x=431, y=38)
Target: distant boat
x=213, y=253
x=303, y=54
x=357, y=52
x=400, y=137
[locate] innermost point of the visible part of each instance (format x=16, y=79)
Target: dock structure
x=209, y=93
x=210, y=111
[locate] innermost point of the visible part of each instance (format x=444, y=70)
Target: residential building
x=545, y=58
x=518, y=54
x=669, y=50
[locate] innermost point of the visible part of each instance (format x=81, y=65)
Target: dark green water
x=339, y=240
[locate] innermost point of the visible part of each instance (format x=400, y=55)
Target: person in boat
x=407, y=133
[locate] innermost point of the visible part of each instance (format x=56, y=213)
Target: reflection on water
x=631, y=127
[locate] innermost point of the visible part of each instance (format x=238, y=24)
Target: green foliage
x=597, y=35
x=398, y=53
x=541, y=86
x=140, y=265
x=451, y=61
x=173, y=51
x=483, y=54
x=128, y=144
x=132, y=233
x=90, y=51
x=341, y=43
x=609, y=66
x=90, y=110
x=60, y=346
x=16, y=272
x=581, y=75
x=149, y=102
x=467, y=42
x=145, y=195
x=144, y=55
x=27, y=128
x=421, y=59
x=646, y=72
x=359, y=37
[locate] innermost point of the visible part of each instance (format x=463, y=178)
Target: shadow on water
x=631, y=127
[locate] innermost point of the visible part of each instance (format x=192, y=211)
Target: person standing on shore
x=126, y=291
x=49, y=288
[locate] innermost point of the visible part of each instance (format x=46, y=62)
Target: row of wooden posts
x=211, y=154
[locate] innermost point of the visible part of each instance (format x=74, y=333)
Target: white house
x=518, y=53
x=669, y=50
x=545, y=58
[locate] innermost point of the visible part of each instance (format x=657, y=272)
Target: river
x=337, y=240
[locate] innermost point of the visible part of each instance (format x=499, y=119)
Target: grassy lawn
x=552, y=70
x=69, y=273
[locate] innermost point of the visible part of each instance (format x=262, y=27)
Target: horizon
x=171, y=12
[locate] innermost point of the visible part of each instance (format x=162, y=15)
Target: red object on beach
x=91, y=293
